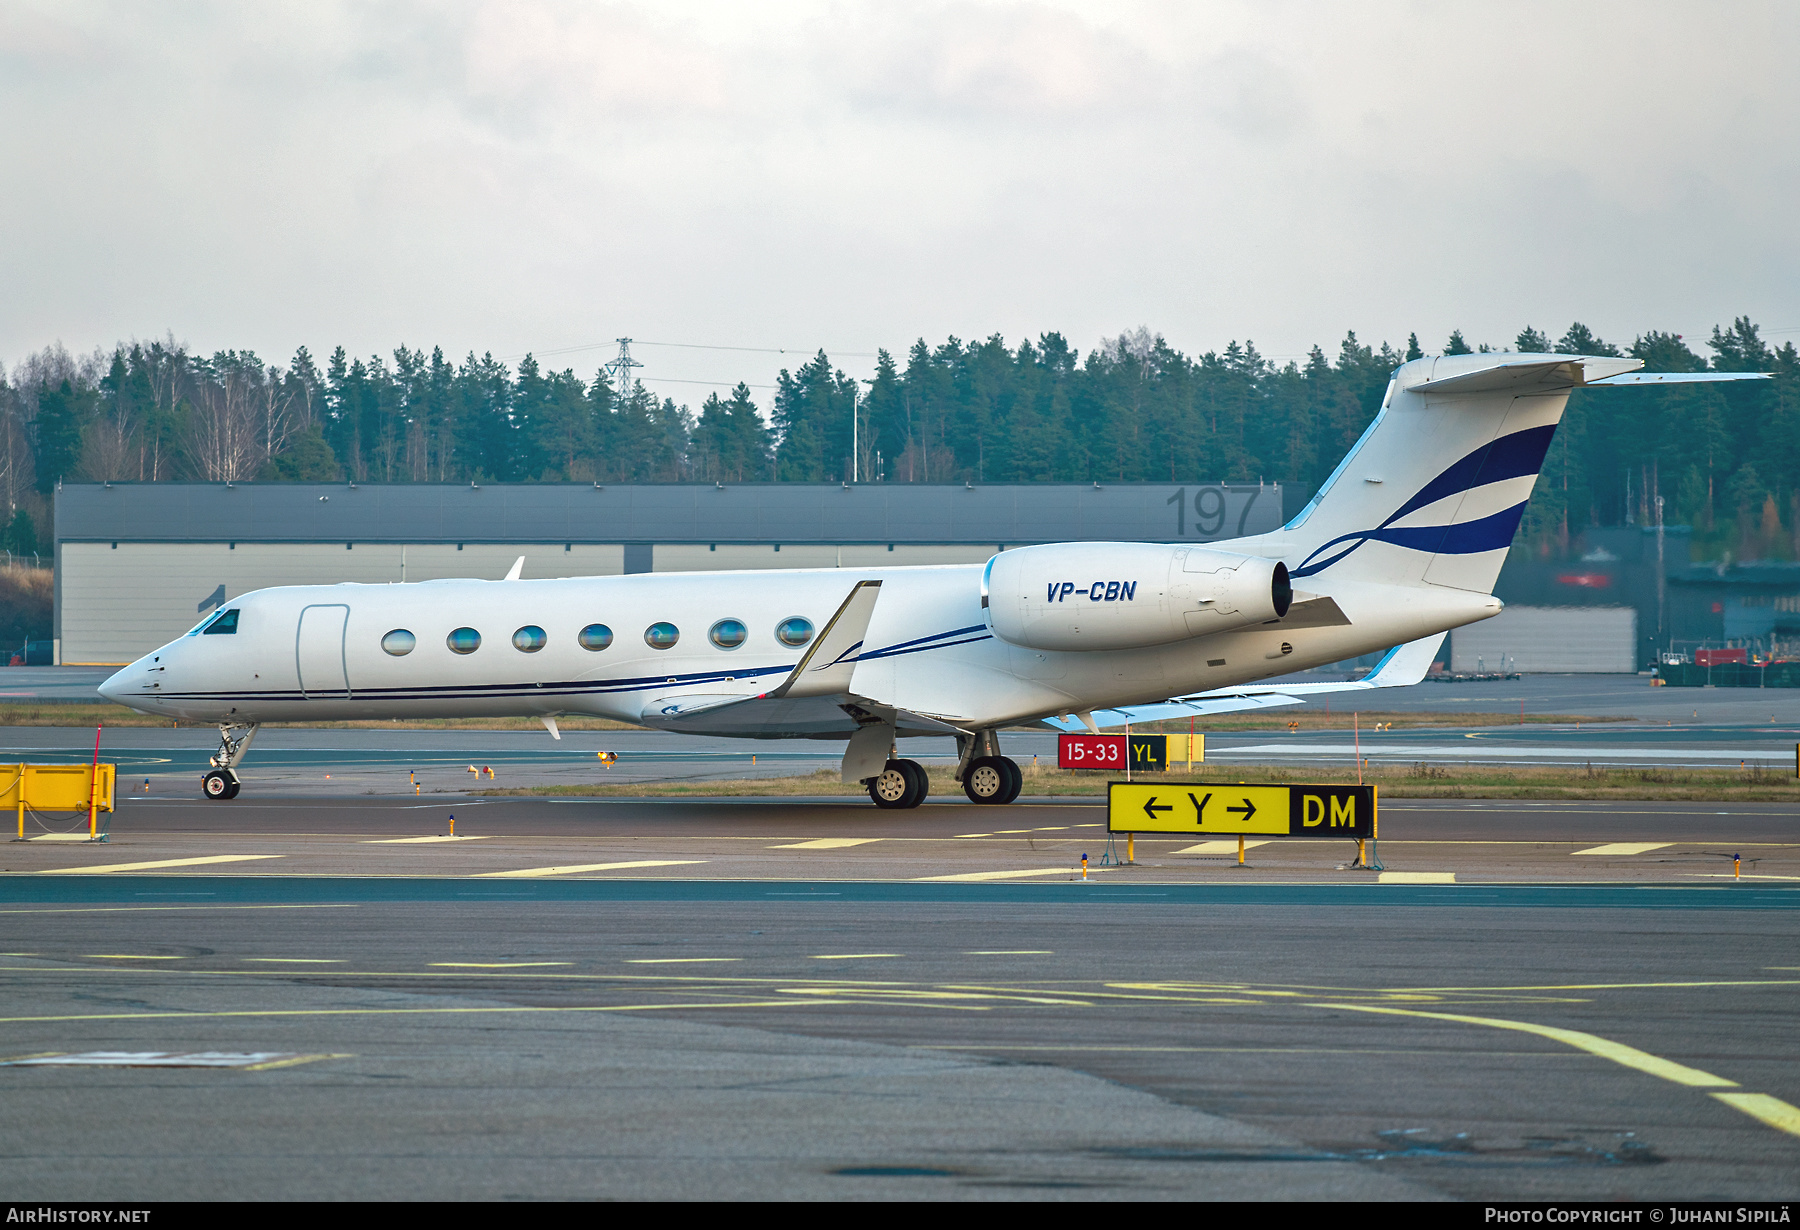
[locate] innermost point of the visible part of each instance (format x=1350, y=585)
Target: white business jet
x=1403, y=542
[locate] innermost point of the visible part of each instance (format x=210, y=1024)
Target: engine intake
x=1128, y=595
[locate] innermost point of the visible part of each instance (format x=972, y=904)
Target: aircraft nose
x=118, y=685
x=114, y=685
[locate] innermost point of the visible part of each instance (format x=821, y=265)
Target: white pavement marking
x=1418, y=877
x=1626, y=847
x=154, y=1059
x=525, y=872
x=1012, y=875
x=421, y=841
x=1228, y=846
x=60, y=837
x=854, y=956
x=104, y=868
x=828, y=843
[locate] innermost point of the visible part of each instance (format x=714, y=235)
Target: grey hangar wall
x=138, y=563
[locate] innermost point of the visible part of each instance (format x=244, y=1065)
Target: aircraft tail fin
x=1433, y=491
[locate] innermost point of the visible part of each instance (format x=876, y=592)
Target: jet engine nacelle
x=1127, y=595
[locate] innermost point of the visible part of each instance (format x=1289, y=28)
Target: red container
x=1720, y=657
x=1090, y=752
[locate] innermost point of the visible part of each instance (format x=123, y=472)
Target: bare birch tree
x=241, y=416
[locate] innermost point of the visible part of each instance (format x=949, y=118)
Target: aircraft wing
x=1402, y=666
x=814, y=698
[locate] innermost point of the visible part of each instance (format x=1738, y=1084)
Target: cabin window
x=595, y=637
x=794, y=632
x=661, y=635
x=224, y=625
x=399, y=642
x=728, y=633
x=463, y=640
x=529, y=639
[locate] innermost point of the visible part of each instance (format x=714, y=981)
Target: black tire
x=217, y=785
x=892, y=789
x=986, y=780
x=921, y=782
x=236, y=786
x=1015, y=780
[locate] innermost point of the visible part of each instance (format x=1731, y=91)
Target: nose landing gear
x=222, y=781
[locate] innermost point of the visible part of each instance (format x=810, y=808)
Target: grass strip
x=1415, y=781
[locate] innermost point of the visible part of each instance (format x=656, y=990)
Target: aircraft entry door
x=319, y=652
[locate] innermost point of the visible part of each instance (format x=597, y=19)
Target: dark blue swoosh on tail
x=1514, y=456
x=1511, y=456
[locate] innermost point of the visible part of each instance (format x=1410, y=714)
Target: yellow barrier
x=56, y=787
x=1191, y=748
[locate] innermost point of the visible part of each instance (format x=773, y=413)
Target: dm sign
x=1218, y=807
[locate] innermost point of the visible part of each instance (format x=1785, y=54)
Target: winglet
x=517, y=568
x=1404, y=665
x=828, y=665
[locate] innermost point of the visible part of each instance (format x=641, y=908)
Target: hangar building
x=137, y=564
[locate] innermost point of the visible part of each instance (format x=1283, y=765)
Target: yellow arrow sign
x=1220, y=807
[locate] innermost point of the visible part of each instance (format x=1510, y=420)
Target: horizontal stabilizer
x=1680, y=377
x=1524, y=373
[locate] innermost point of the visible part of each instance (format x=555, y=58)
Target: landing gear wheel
x=236, y=786
x=219, y=785
x=987, y=781
x=900, y=785
x=921, y=783
x=1015, y=779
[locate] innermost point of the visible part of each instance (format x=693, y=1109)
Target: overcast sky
x=544, y=176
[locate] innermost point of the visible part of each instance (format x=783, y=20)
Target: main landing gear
x=993, y=779
x=900, y=784
x=986, y=775
x=221, y=782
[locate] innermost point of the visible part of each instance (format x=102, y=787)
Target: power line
x=849, y=354
x=721, y=384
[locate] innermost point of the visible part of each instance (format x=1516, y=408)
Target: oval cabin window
x=399, y=642
x=794, y=632
x=728, y=633
x=529, y=639
x=661, y=636
x=463, y=640
x=595, y=637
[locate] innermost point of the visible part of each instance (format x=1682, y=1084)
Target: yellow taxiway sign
x=1222, y=807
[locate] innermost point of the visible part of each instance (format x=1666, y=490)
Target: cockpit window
x=224, y=625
